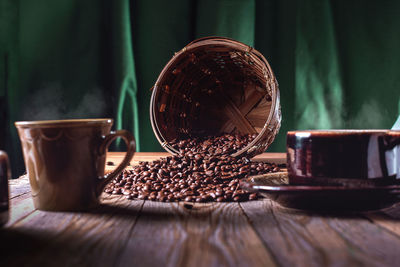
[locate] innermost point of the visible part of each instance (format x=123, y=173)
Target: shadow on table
x=160, y=211
x=27, y=246
x=391, y=213
x=22, y=246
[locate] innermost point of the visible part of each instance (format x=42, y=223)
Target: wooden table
x=145, y=233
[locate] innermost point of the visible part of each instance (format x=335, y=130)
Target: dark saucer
x=351, y=197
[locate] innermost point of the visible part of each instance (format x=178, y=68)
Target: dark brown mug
x=5, y=175
x=330, y=156
x=65, y=161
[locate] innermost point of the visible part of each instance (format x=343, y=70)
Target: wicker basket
x=216, y=85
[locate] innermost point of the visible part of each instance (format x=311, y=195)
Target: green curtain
x=336, y=61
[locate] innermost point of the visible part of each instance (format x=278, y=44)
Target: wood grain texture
x=321, y=239
x=20, y=207
x=194, y=235
x=92, y=238
x=123, y=232
x=387, y=219
x=370, y=242
x=19, y=186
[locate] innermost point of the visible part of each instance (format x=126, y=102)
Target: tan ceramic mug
x=65, y=161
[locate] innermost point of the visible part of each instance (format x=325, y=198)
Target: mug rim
x=66, y=122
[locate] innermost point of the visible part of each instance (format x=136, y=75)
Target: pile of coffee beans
x=201, y=172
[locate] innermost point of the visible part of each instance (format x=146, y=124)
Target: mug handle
x=107, y=140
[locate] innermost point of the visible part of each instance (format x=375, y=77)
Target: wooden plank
x=315, y=240
x=21, y=203
x=376, y=245
x=19, y=186
x=117, y=157
x=139, y=155
x=172, y=234
x=388, y=219
x=71, y=239
x=278, y=158
x=20, y=207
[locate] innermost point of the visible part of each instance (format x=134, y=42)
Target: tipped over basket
x=216, y=85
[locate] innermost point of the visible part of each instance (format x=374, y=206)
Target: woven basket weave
x=216, y=85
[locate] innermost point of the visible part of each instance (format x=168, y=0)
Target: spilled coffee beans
x=203, y=171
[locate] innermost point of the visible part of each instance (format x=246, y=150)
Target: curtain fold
x=233, y=18
x=337, y=62
x=318, y=92
x=159, y=29
x=124, y=72
x=8, y=65
x=368, y=38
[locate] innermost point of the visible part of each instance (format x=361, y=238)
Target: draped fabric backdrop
x=337, y=62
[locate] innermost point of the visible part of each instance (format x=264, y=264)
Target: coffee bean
x=142, y=196
x=117, y=191
x=220, y=199
x=219, y=193
x=157, y=187
x=127, y=192
x=253, y=196
x=146, y=188
x=193, y=186
x=209, y=173
x=228, y=197
x=108, y=190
